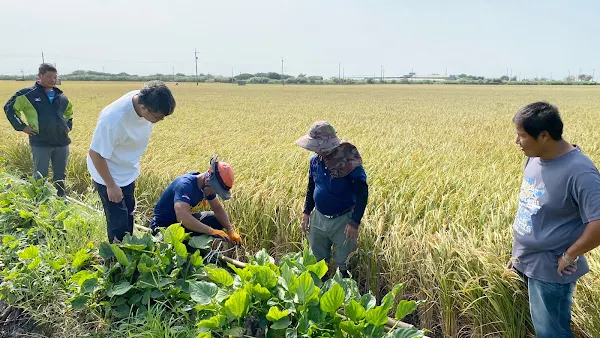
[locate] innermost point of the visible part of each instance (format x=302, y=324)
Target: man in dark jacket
x=45, y=114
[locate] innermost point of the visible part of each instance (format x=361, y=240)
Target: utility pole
x=382, y=74
x=343, y=74
x=43, y=58
x=173, y=73
x=196, y=57
x=232, y=75
x=339, y=72
x=282, y=79
x=22, y=75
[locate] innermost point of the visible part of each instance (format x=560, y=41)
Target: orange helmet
x=220, y=178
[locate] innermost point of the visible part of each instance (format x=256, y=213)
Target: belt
x=340, y=214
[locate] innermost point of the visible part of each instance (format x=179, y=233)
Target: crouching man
x=180, y=201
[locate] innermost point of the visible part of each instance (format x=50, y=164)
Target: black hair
x=537, y=117
x=47, y=67
x=157, y=98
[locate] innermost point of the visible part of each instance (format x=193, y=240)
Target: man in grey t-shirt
x=558, y=219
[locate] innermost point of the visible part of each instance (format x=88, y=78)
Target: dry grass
x=442, y=166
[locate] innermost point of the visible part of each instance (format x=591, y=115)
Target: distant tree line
x=278, y=78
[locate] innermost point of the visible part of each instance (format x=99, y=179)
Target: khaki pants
x=325, y=232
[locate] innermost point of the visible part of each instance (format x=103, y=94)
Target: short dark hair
x=157, y=98
x=537, y=117
x=47, y=67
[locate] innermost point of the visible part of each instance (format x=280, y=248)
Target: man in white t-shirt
x=120, y=138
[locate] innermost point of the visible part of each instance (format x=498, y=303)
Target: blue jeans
x=550, y=307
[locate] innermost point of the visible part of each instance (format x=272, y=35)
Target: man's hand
x=29, y=131
x=351, y=233
x=115, y=194
x=563, y=267
x=234, y=236
x=219, y=233
x=305, y=224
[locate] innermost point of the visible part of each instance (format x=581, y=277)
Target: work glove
x=219, y=233
x=234, y=237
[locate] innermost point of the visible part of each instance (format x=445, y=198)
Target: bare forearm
x=191, y=223
x=588, y=241
x=102, y=168
x=222, y=217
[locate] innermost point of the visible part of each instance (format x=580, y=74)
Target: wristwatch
x=569, y=262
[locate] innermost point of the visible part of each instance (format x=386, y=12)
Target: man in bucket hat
x=336, y=195
x=181, y=201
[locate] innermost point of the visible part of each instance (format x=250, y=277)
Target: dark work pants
x=58, y=156
x=119, y=216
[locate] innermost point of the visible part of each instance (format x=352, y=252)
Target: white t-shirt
x=121, y=137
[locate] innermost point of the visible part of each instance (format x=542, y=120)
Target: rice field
x=442, y=166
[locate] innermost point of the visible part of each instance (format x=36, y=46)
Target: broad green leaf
x=121, y=288
x=89, y=285
x=82, y=276
x=305, y=288
x=276, y=314
x=319, y=269
x=282, y=323
x=196, y=259
x=80, y=258
x=214, y=322
x=62, y=215
x=263, y=258
x=368, y=301
x=204, y=335
x=405, y=308
x=332, y=299
x=105, y=251
x=58, y=263
x=7, y=239
x=290, y=282
x=244, y=273
x=180, y=249
x=377, y=316
x=175, y=233
x=222, y=294
x=202, y=292
x=352, y=328
x=78, y=303
x=263, y=275
x=406, y=333
x=201, y=242
x=237, y=305
x=34, y=263
x=120, y=255
x=261, y=292
x=122, y=311
x=355, y=311
x=220, y=276
x=26, y=214
x=29, y=253
x=307, y=256
x=388, y=300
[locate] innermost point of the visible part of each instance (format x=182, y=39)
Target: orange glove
x=234, y=237
x=219, y=233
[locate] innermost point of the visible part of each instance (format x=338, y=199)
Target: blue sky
x=145, y=37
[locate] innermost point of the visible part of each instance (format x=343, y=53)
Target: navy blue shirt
x=183, y=189
x=332, y=195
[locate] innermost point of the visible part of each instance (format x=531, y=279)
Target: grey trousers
x=58, y=156
x=325, y=233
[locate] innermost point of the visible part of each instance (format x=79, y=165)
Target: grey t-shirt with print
x=558, y=198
